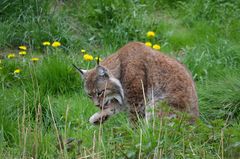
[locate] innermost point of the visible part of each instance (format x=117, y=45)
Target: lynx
x=136, y=77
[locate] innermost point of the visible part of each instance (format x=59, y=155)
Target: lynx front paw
x=98, y=118
x=102, y=116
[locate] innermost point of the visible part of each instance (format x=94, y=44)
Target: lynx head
x=102, y=87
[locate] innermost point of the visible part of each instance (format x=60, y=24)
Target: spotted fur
x=136, y=77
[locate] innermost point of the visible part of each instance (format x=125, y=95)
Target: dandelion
x=17, y=71
x=88, y=57
x=22, y=53
x=22, y=47
x=98, y=59
x=156, y=47
x=56, y=44
x=150, y=34
x=148, y=44
x=34, y=59
x=10, y=56
x=83, y=51
x=46, y=43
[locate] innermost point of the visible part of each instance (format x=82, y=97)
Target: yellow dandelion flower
x=10, y=56
x=88, y=57
x=56, y=44
x=22, y=47
x=22, y=53
x=148, y=44
x=98, y=58
x=156, y=47
x=46, y=43
x=17, y=71
x=34, y=59
x=83, y=51
x=150, y=34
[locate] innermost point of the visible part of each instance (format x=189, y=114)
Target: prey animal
x=134, y=79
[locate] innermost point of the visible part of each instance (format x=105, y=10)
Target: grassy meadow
x=44, y=111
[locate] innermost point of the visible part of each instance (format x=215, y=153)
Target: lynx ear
x=81, y=71
x=102, y=71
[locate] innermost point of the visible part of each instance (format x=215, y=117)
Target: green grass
x=47, y=98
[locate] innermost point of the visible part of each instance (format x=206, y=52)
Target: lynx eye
x=100, y=93
x=89, y=95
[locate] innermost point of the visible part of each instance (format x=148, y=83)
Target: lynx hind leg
x=136, y=112
x=150, y=110
x=159, y=109
x=164, y=110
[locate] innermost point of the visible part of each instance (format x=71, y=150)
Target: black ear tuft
x=77, y=68
x=98, y=60
x=82, y=72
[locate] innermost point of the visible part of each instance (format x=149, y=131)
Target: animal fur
x=136, y=77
